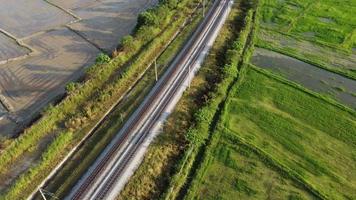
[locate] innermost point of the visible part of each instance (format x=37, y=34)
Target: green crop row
x=104, y=83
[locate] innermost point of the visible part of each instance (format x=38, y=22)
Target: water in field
x=2, y=110
x=311, y=77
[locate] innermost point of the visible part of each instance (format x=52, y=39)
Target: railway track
x=102, y=179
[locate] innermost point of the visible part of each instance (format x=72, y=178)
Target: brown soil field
x=66, y=36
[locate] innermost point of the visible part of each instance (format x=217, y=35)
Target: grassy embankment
x=153, y=175
x=78, y=164
x=317, y=32
x=105, y=83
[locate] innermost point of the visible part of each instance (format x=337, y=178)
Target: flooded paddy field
x=311, y=77
x=66, y=36
x=74, y=4
x=9, y=49
x=330, y=23
x=7, y=127
x=306, y=49
x=2, y=109
x=29, y=84
x=105, y=21
x=23, y=18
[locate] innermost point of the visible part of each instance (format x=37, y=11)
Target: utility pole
x=156, y=70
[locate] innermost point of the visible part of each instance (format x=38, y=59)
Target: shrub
x=127, y=43
x=147, y=18
x=102, y=59
x=170, y=3
x=71, y=86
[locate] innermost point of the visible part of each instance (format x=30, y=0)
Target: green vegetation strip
x=105, y=83
x=198, y=134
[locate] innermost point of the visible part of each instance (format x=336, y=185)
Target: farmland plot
x=233, y=171
x=281, y=137
x=64, y=38
x=320, y=32
x=306, y=134
x=278, y=141
x=309, y=51
x=309, y=76
x=328, y=22
x=9, y=49
x=108, y=20
x=23, y=18
x=74, y=4
x=7, y=126
x=29, y=84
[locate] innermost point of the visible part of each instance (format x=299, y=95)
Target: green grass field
x=298, y=135
x=236, y=172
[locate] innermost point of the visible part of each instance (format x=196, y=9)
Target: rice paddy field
x=320, y=32
x=241, y=168
x=280, y=141
x=328, y=22
x=288, y=128
x=46, y=44
x=317, y=79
